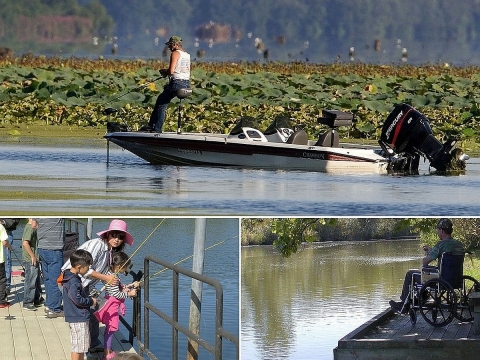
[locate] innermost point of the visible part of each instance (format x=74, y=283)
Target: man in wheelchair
x=446, y=245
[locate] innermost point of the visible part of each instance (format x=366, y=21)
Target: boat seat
x=184, y=93
x=328, y=139
x=299, y=137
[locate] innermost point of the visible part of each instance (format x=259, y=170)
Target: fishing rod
x=21, y=262
x=134, y=89
x=96, y=292
x=180, y=261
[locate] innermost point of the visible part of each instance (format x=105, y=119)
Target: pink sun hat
x=118, y=225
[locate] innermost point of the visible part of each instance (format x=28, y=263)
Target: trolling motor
x=406, y=135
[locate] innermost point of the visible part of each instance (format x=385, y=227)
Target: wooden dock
x=30, y=335
x=392, y=336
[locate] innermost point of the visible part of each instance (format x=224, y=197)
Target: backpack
x=10, y=224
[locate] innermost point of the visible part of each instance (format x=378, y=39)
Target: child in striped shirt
x=115, y=296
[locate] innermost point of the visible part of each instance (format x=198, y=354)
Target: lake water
x=76, y=179
x=299, y=307
x=173, y=241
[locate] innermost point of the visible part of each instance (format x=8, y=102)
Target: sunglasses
x=117, y=234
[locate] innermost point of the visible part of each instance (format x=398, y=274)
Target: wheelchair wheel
x=469, y=284
x=437, y=302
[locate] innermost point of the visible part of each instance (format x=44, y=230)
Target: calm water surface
x=77, y=180
x=298, y=308
x=173, y=241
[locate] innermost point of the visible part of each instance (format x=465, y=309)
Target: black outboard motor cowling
x=407, y=131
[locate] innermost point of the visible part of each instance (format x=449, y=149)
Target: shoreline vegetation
x=289, y=236
x=63, y=97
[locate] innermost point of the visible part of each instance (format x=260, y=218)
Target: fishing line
x=130, y=257
x=134, y=89
x=180, y=261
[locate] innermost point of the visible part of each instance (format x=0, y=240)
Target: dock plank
x=29, y=335
x=392, y=336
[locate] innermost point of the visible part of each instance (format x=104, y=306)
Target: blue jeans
x=52, y=261
x=8, y=258
x=3, y=292
x=169, y=92
x=32, y=289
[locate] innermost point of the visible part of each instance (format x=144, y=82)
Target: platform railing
x=172, y=319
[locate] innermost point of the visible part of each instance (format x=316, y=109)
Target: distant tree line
x=287, y=234
x=300, y=30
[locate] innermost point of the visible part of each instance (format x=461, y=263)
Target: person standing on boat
x=179, y=74
x=446, y=244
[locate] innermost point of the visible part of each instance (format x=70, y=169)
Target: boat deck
x=392, y=336
x=29, y=335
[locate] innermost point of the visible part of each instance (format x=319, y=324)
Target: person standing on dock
x=446, y=244
x=10, y=225
x=102, y=249
x=51, y=237
x=3, y=279
x=32, y=289
x=77, y=302
x=115, y=296
x=179, y=74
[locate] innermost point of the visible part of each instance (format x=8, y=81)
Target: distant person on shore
x=77, y=302
x=32, y=289
x=446, y=244
x=10, y=225
x=179, y=78
x=115, y=296
x=51, y=237
x=102, y=250
x=3, y=279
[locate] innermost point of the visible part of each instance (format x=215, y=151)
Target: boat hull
x=220, y=150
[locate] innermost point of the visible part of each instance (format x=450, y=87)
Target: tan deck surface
x=399, y=327
x=29, y=335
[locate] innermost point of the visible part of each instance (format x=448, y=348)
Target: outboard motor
x=407, y=132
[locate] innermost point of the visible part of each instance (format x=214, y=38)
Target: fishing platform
x=392, y=336
x=30, y=335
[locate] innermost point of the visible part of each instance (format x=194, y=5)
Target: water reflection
x=298, y=308
x=78, y=179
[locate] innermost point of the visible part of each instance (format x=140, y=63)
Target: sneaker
x=146, y=128
x=397, y=306
x=29, y=307
x=4, y=305
x=53, y=314
x=110, y=356
x=46, y=309
x=39, y=303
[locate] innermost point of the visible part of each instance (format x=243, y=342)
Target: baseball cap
x=174, y=40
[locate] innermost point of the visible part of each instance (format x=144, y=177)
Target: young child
x=32, y=295
x=3, y=277
x=115, y=296
x=77, y=303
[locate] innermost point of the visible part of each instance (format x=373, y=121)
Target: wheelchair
x=442, y=293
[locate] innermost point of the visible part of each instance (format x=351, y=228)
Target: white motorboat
x=406, y=137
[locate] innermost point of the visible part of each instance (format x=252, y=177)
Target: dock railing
x=220, y=332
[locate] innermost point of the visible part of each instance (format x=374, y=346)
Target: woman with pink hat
x=109, y=241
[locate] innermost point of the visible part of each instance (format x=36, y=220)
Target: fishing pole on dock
x=182, y=260
x=96, y=293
